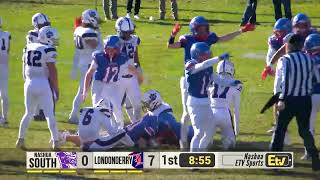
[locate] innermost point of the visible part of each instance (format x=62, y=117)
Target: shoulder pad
x=97, y=53
x=183, y=38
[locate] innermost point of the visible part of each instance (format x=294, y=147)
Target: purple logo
x=137, y=161
x=49, y=34
x=67, y=159
x=153, y=96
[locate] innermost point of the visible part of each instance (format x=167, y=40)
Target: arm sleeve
x=236, y=106
x=51, y=54
x=284, y=78
x=271, y=52
x=223, y=82
x=205, y=64
x=277, y=79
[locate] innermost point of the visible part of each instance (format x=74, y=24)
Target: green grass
x=163, y=69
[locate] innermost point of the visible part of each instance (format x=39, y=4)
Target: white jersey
x=129, y=47
x=81, y=34
x=36, y=57
x=5, y=38
x=32, y=36
x=224, y=97
x=92, y=120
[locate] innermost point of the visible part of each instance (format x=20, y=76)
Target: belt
x=127, y=76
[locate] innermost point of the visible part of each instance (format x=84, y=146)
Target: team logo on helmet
x=49, y=34
x=153, y=96
x=92, y=14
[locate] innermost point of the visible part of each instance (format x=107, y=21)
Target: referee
x=295, y=100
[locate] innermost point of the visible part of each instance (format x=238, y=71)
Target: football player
x=87, y=40
x=5, y=38
x=39, y=20
x=105, y=67
x=312, y=47
x=200, y=32
x=41, y=77
x=301, y=24
x=130, y=42
x=281, y=28
x=158, y=119
x=224, y=99
x=199, y=74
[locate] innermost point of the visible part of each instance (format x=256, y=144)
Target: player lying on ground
x=224, y=99
x=157, y=122
x=4, y=68
x=199, y=32
x=41, y=77
x=199, y=74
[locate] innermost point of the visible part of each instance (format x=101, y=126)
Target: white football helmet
x=48, y=35
x=91, y=16
x=124, y=24
x=40, y=20
x=151, y=100
x=225, y=66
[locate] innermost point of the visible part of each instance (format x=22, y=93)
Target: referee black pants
x=299, y=107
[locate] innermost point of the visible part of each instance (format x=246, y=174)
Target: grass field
x=162, y=68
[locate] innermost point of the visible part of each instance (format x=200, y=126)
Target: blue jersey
x=316, y=86
x=188, y=40
x=107, y=70
x=146, y=127
x=198, y=82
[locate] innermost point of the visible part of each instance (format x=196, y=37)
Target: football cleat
x=248, y=27
x=20, y=143
x=306, y=157
x=3, y=122
x=136, y=17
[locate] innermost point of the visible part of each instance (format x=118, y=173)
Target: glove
x=176, y=29
x=73, y=74
x=224, y=56
x=267, y=71
x=248, y=27
x=236, y=82
x=280, y=106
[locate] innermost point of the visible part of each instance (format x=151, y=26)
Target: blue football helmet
x=198, y=21
x=312, y=42
x=283, y=24
x=199, y=49
x=300, y=18
x=112, y=42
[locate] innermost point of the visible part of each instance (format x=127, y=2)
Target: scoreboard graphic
x=71, y=161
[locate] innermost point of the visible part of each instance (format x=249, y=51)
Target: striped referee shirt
x=297, y=72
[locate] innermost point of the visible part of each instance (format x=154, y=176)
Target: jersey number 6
x=87, y=117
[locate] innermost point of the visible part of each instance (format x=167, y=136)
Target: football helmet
x=124, y=27
x=91, y=16
x=312, y=43
x=48, y=35
x=151, y=100
x=40, y=20
x=225, y=67
x=200, y=51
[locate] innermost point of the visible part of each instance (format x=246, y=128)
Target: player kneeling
x=41, y=78
x=222, y=98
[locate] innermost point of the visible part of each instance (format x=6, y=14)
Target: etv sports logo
x=279, y=160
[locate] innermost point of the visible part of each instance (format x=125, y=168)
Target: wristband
x=171, y=40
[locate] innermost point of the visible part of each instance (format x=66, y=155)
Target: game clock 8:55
x=196, y=160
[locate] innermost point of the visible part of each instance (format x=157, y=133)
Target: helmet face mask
x=199, y=27
x=301, y=28
x=151, y=100
x=280, y=33
x=204, y=56
x=126, y=35
x=111, y=52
